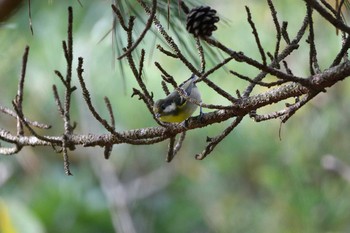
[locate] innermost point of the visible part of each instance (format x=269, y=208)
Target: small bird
x=174, y=107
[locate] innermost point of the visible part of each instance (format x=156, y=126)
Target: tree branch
x=286, y=86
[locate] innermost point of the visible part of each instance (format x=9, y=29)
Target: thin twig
x=268, y=116
x=267, y=69
x=213, y=142
x=171, y=153
x=110, y=111
x=284, y=32
x=58, y=101
x=18, y=101
x=324, y=13
x=67, y=81
x=286, y=52
x=293, y=108
x=179, y=142
x=60, y=76
x=288, y=70
x=120, y=17
x=279, y=82
x=139, y=80
x=256, y=36
x=143, y=33
x=33, y=123
x=201, y=54
x=109, y=147
x=212, y=70
x=339, y=9
x=165, y=88
x=178, y=53
x=329, y=7
x=313, y=64
x=342, y=52
x=65, y=156
x=104, y=123
x=31, y=130
x=170, y=41
x=68, y=51
x=86, y=95
x=166, y=52
x=172, y=148
x=278, y=30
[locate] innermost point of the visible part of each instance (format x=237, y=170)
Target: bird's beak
x=157, y=115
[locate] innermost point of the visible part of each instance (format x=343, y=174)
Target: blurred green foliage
x=252, y=182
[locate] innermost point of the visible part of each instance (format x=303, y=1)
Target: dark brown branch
x=68, y=128
x=179, y=142
x=142, y=84
x=178, y=53
x=68, y=51
x=278, y=30
x=18, y=101
x=172, y=148
x=342, y=52
x=286, y=52
x=219, y=90
x=324, y=13
x=120, y=17
x=145, y=95
x=339, y=9
x=169, y=40
x=279, y=82
x=60, y=76
x=58, y=101
x=110, y=111
x=147, y=102
x=97, y=116
x=201, y=54
x=311, y=40
x=165, y=74
x=109, y=147
x=293, y=108
x=143, y=33
x=165, y=88
x=166, y=52
x=284, y=32
x=212, y=70
x=107, y=151
x=329, y=7
x=171, y=153
x=256, y=36
x=86, y=95
x=65, y=156
x=213, y=142
x=289, y=71
x=240, y=57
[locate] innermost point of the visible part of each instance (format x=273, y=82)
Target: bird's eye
x=162, y=106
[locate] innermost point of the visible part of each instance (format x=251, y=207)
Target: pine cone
x=201, y=21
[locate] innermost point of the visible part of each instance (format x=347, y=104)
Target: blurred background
x=252, y=182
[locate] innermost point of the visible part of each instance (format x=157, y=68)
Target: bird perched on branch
x=177, y=108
